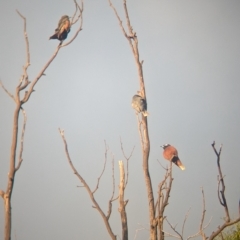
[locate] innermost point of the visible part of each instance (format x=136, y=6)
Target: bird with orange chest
x=63, y=29
x=170, y=153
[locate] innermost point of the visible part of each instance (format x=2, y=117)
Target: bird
x=63, y=29
x=170, y=153
x=140, y=105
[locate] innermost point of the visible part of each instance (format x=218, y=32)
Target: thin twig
x=27, y=64
x=174, y=229
x=162, y=165
x=76, y=9
x=112, y=199
x=126, y=158
x=104, y=167
x=140, y=229
x=185, y=219
x=9, y=94
x=80, y=25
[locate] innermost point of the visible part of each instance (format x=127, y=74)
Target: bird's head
x=165, y=145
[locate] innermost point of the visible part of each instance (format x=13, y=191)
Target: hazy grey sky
x=191, y=66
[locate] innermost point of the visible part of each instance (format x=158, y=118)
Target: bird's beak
x=161, y=146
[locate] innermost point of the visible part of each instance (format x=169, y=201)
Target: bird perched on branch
x=170, y=153
x=140, y=105
x=63, y=29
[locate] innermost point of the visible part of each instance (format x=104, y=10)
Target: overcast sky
x=191, y=67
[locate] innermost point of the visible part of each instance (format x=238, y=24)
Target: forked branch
x=222, y=197
x=90, y=192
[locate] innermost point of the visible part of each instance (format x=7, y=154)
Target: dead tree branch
x=126, y=158
x=80, y=9
x=112, y=199
x=185, y=219
x=24, y=83
x=140, y=229
x=133, y=43
x=8, y=93
x=104, y=167
x=222, y=197
x=90, y=192
x=164, y=189
x=122, y=202
x=174, y=229
x=201, y=227
x=20, y=159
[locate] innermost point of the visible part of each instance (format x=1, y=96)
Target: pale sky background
x=191, y=67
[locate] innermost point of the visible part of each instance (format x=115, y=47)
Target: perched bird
x=140, y=105
x=63, y=29
x=170, y=153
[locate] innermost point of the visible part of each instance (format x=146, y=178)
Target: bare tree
x=132, y=39
x=28, y=86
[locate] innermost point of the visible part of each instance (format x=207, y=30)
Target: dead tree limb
x=133, y=43
x=164, y=189
x=222, y=197
x=201, y=226
x=90, y=192
x=122, y=202
x=127, y=159
x=24, y=83
x=104, y=167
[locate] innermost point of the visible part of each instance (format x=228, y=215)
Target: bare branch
x=185, y=219
x=203, y=216
x=74, y=21
x=113, y=192
x=174, y=229
x=25, y=73
x=41, y=73
x=119, y=19
x=167, y=234
x=113, y=179
x=199, y=232
x=139, y=229
x=126, y=158
x=163, y=198
x=104, y=167
x=90, y=193
x=122, y=203
x=162, y=165
x=222, y=198
x=22, y=140
x=9, y=94
x=223, y=201
x=80, y=25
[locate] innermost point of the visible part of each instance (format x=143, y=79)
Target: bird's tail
x=145, y=113
x=177, y=161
